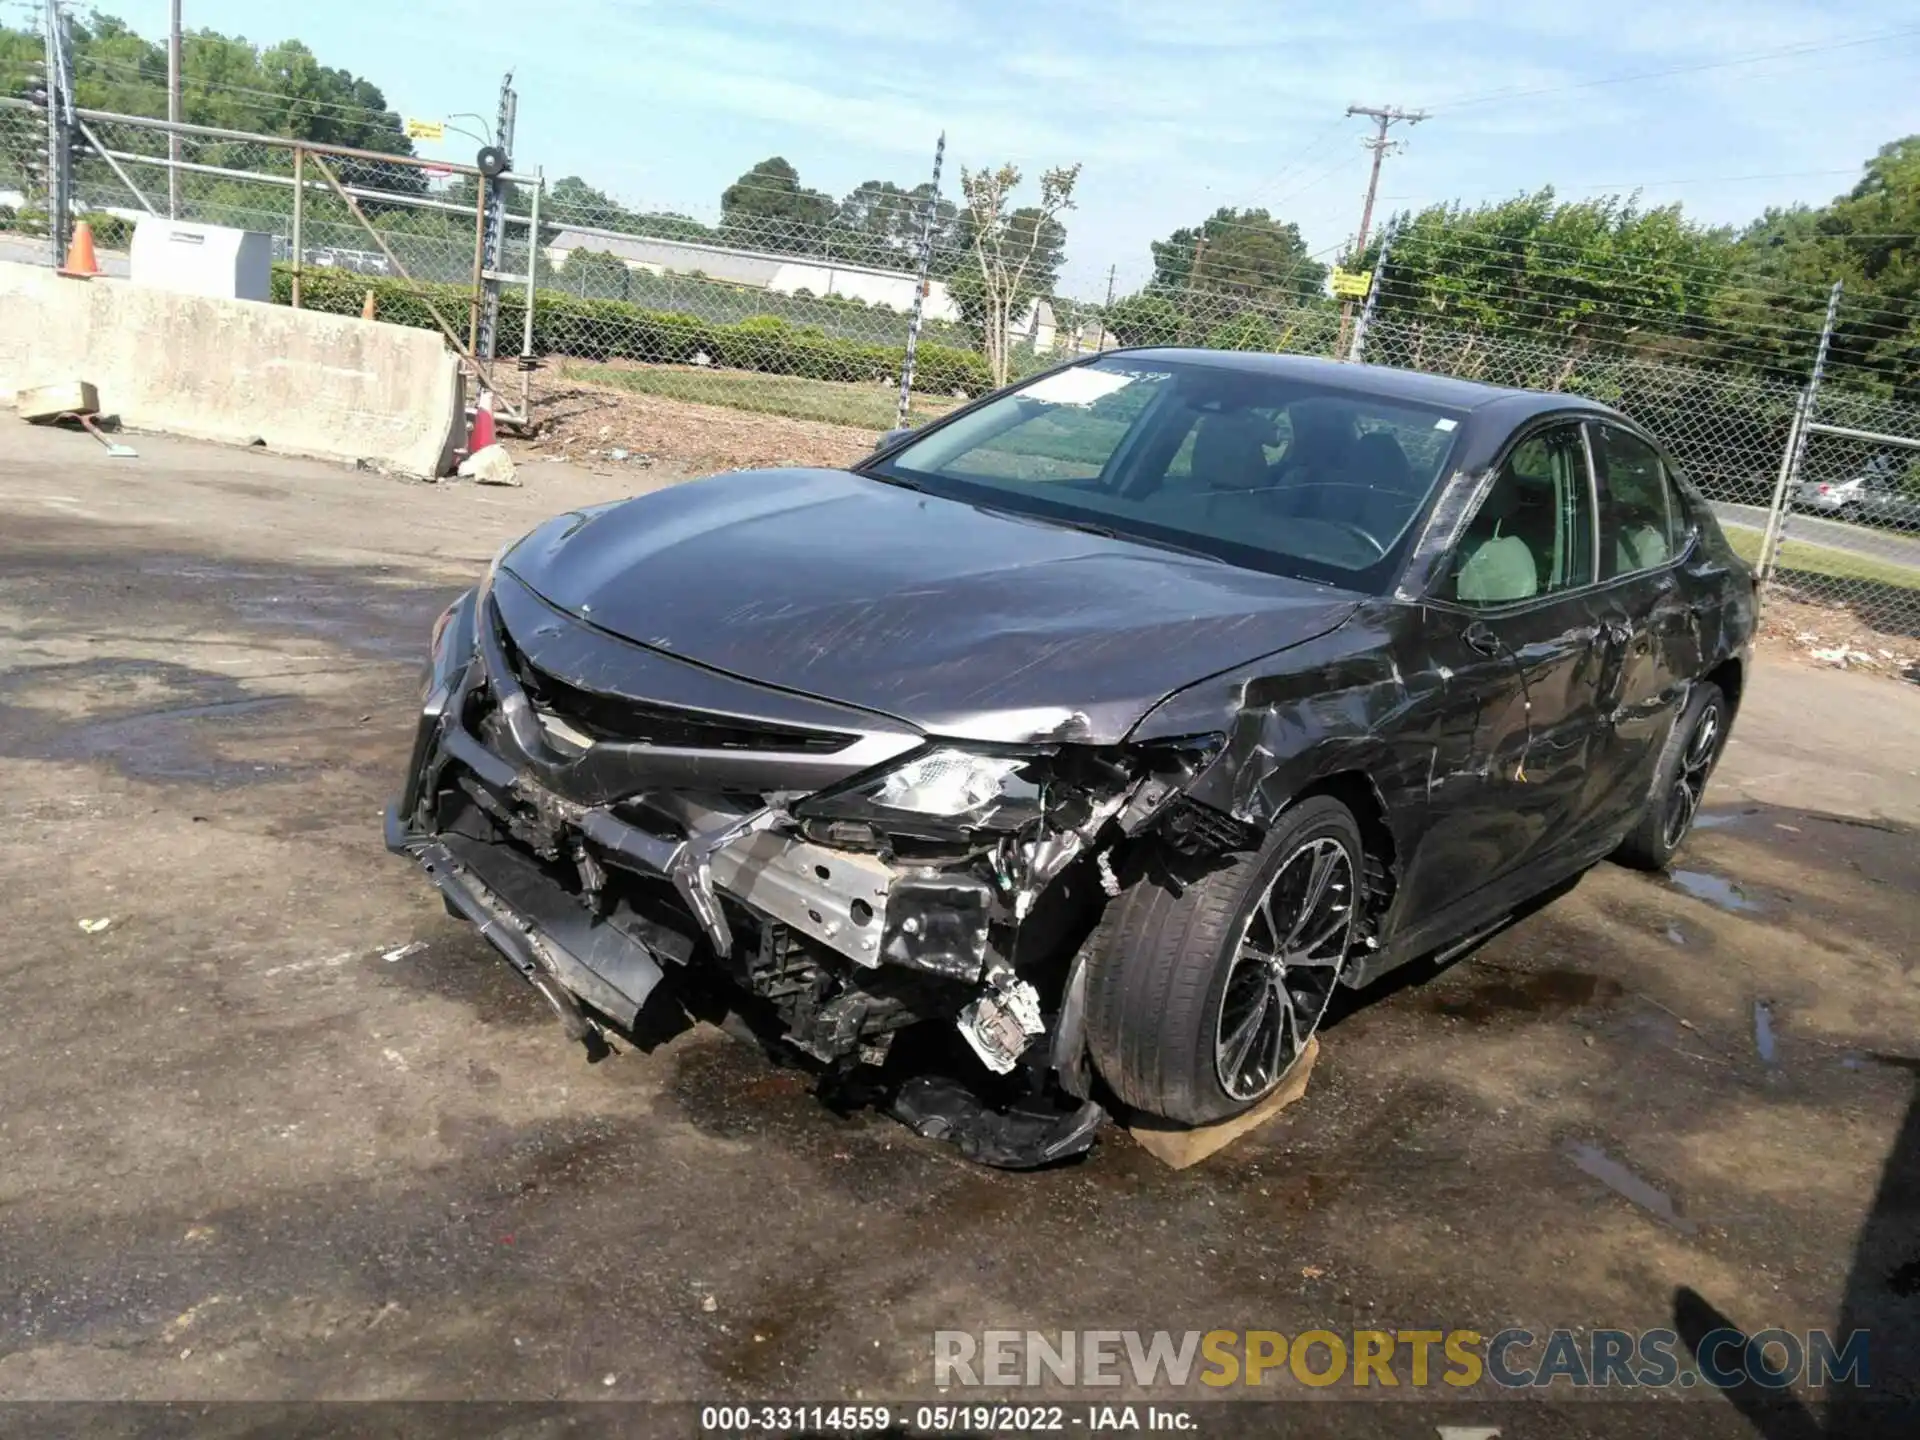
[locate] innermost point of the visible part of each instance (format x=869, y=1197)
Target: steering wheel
x=1281, y=491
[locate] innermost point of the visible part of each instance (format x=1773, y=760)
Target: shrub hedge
x=110, y=232
x=580, y=329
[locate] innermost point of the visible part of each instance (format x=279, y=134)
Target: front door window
x=1533, y=534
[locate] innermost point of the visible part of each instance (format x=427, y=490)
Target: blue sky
x=1174, y=108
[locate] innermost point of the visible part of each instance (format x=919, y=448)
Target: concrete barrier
x=327, y=386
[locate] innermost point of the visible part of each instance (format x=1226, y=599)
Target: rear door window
x=1642, y=518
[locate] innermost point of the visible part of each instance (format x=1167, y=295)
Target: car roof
x=1385, y=381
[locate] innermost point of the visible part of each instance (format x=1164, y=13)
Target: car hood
x=966, y=622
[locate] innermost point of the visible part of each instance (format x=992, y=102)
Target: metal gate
x=1847, y=532
x=336, y=213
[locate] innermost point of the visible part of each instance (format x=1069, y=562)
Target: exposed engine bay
x=942, y=884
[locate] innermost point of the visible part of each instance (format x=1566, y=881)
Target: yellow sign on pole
x=426, y=129
x=1351, y=284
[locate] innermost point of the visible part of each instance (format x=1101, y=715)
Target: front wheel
x=1202, y=996
x=1681, y=782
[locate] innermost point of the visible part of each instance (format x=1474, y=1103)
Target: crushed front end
x=605, y=812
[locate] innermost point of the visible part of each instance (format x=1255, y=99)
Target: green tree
x=880, y=223
x=595, y=275
x=1249, y=330
x=226, y=81
x=1242, y=253
x=1149, y=318
x=1597, y=272
x=1870, y=233
x=572, y=201
x=1013, y=255
x=768, y=209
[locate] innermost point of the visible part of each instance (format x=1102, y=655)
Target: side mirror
x=893, y=437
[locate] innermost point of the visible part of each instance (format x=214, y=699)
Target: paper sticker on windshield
x=1445, y=424
x=1078, y=386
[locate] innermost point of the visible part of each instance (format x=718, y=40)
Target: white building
x=788, y=275
x=782, y=274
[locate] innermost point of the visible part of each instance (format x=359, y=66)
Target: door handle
x=1480, y=639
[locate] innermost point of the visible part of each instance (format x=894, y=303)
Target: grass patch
x=868, y=407
x=1802, y=558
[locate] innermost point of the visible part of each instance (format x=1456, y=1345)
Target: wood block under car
x=1179, y=1146
x=50, y=402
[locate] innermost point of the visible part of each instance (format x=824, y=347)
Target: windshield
x=1255, y=469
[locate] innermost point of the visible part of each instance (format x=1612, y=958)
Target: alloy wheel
x=1690, y=781
x=1286, y=960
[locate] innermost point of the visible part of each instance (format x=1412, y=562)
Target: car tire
x=1181, y=975
x=1680, y=783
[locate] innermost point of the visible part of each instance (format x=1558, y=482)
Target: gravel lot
x=247, y=1155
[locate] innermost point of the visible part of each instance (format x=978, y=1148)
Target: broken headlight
x=946, y=783
x=938, y=791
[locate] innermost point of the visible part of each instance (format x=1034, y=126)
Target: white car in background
x=1877, y=495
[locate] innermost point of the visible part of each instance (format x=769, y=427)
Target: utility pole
x=496, y=232
x=60, y=127
x=173, y=114
x=1384, y=117
x=921, y=282
x=1101, y=343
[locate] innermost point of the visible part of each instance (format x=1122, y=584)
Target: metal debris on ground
x=94, y=927
x=114, y=448
x=1832, y=636
x=401, y=952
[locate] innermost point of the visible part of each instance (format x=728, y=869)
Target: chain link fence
x=761, y=313
x=1849, y=527
x=766, y=314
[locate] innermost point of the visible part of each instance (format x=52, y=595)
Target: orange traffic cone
x=480, y=433
x=368, y=307
x=81, y=261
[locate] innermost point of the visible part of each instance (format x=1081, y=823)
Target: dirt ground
x=588, y=424
x=280, y=1129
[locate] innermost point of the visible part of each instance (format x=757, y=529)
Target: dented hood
x=967, y=622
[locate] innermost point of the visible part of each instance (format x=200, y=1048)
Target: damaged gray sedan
x=1102, y=729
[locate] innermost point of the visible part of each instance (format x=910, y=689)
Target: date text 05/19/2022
x=944, y=1419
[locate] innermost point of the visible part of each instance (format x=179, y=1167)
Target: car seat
x=1378, y=464
x=1321, y=446
x=1497, y=570
x=1229, y=451
x=1639, y=547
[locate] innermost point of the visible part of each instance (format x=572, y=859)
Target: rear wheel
x=1202, y=996
x=1681, y=783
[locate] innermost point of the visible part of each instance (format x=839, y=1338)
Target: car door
x=1510, y=628
x=1645, y=540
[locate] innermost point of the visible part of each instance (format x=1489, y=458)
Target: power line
x=278, y=98
x=1316, y=144
x=1496, y=96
